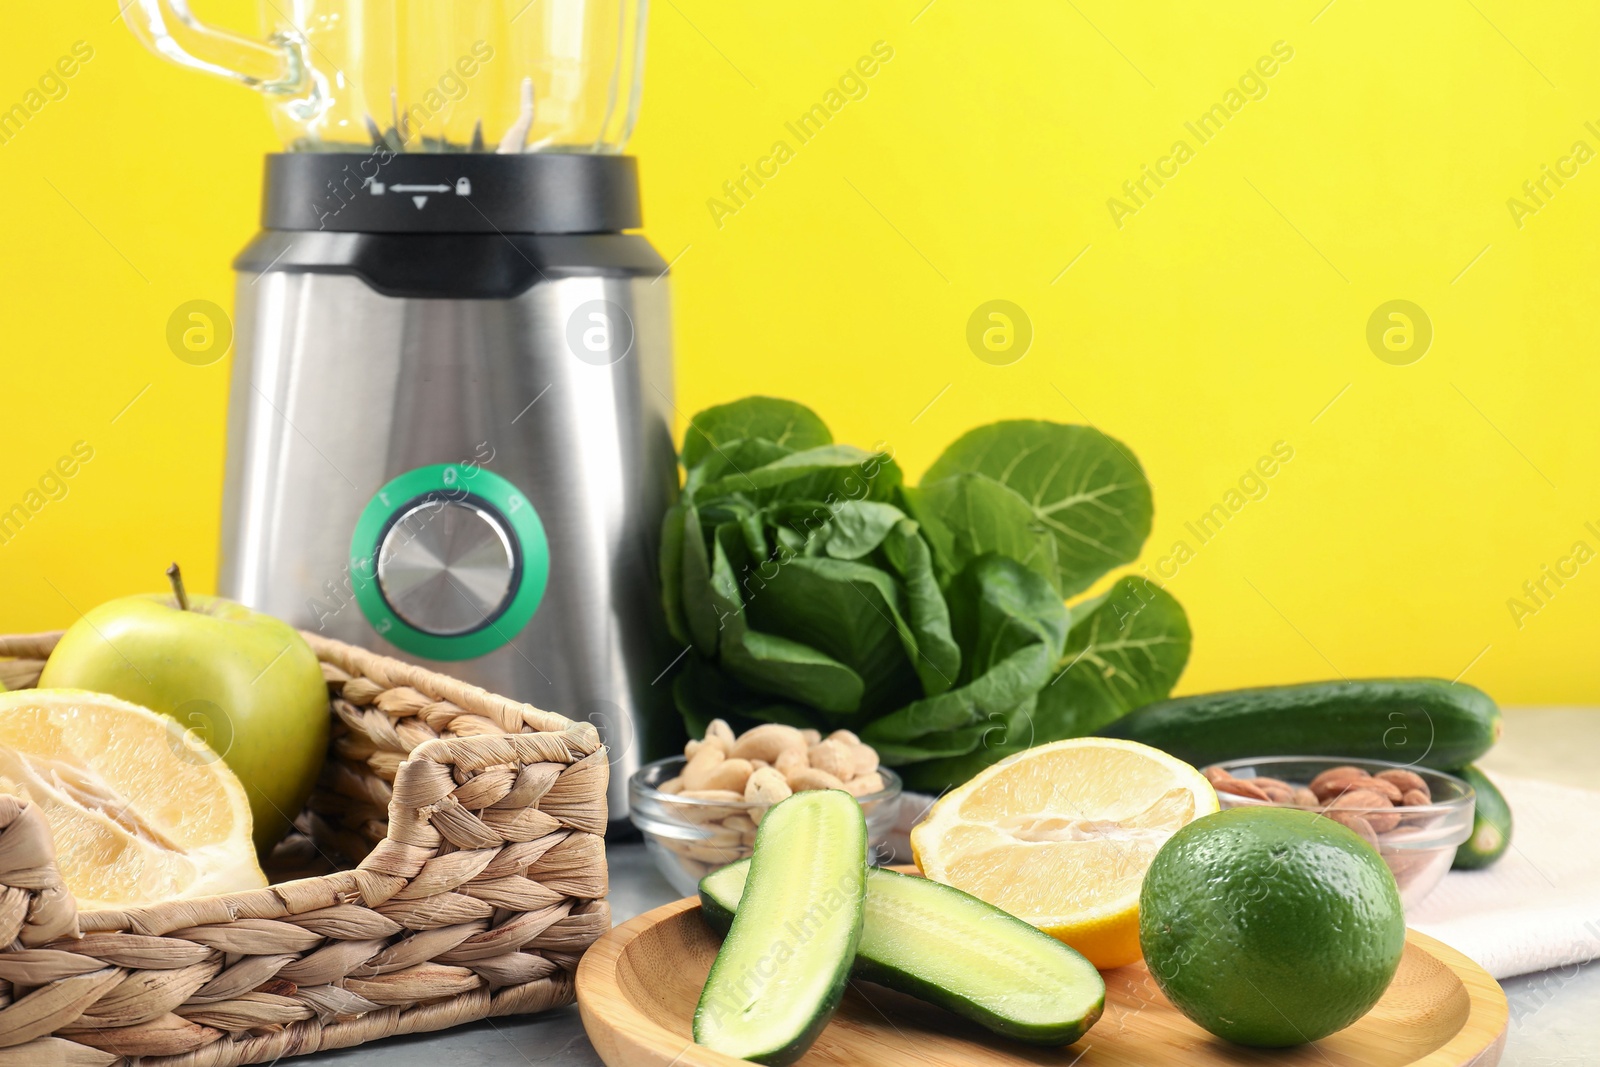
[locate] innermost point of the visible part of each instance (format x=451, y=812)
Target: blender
x=449, y=425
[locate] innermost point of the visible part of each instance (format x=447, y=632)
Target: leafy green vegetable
x=814, y=588
x=781, y=423
x=1085, y=491
x=1126, y=649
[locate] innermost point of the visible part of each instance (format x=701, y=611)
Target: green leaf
x=1004, y=734
x=769, y=662
x=998, y=608
x=701, y=693
x=969, y=515
x=731, y=458
x=945, y=744
x=784, y=423
x=859, y=526
x=1011, y=628
x=832, y=474
x=848, y=610
x=671, y=563
x=1084, y=488
x=790, y=669
x=1127, y=650
x=699, y=612
x=938, y=660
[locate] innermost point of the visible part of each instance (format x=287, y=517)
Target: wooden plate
x=638, y=986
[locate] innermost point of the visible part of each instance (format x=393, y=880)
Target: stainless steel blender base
x=339, y=390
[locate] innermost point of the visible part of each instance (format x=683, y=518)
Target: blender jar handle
x=171, y=31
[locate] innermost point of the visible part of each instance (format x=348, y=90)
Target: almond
x=1406, y=781
x=671, y=785
x=1379, y=785
x=1239, y=787
x=1305, y=798
x=1355, y=822
x=1374, y=807
x=1277, y=792
x=1416, y=798
x=1333, y=781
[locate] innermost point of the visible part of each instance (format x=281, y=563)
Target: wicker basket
x=474, y=828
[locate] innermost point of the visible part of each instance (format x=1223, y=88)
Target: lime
x=1270, y=926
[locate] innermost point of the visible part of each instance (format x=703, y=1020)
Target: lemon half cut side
x=1061, y=836
x=140, y=809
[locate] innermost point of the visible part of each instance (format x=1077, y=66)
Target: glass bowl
x=1418, y=842
x=689, y=837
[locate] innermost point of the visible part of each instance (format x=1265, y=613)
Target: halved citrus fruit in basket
x=141, y=810
x=1061, y=836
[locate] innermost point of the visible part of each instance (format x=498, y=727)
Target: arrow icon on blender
x=419, y=201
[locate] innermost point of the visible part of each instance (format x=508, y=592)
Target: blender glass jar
x=425, y=75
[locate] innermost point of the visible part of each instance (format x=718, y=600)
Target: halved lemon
x=140, y=808
x=1061, y=836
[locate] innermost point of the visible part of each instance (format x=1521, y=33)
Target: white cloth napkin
x=1538, y=908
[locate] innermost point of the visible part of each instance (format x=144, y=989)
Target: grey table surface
x=1555, y=1015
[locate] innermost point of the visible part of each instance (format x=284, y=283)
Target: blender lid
x=380, y=191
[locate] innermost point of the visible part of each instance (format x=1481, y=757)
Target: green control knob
x=450, y=561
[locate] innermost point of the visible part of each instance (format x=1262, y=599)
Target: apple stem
x=176, y=577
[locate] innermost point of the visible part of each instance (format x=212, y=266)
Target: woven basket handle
x=483, y=794
x=35, y=906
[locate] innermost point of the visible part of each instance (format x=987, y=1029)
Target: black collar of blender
x=381, y=191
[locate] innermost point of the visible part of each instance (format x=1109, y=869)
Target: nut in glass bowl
x=1415, y=817
x=689, y=837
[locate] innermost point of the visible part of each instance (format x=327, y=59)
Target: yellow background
x=1228, y=314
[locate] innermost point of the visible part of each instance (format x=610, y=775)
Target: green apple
x=245, y=683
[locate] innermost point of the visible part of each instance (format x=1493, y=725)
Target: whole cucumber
x=1425, y=721
x=1491, y=824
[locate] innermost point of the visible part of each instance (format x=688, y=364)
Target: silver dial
x=447, y=567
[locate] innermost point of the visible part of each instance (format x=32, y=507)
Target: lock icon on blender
x=463, y=186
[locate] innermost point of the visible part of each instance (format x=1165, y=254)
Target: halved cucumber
x=783, y=966
x=951, y=949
